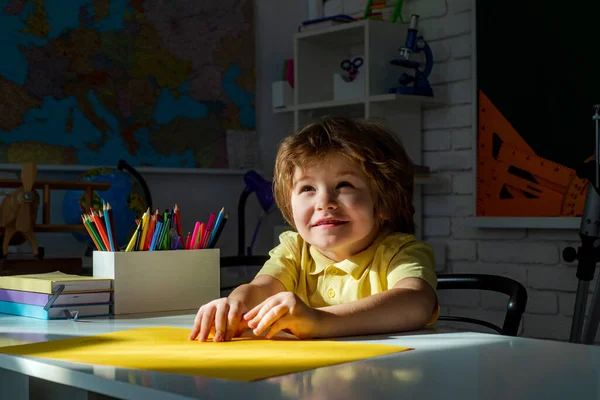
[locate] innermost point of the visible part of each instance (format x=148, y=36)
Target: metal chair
x=515, y=306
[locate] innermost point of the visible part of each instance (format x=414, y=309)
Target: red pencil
x=187, y=241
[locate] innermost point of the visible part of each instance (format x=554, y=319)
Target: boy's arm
x=253, y=293
x=407, y=306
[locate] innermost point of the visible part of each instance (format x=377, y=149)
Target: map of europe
x=153, y=82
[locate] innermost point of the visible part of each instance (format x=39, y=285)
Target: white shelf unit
x=317, y=57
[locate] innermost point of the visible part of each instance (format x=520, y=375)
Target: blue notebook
x=56, y=312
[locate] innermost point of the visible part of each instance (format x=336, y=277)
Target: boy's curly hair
x=369, y=143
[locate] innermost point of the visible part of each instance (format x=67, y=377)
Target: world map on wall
x=153, y=82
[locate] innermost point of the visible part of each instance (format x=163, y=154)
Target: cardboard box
x=155, y=281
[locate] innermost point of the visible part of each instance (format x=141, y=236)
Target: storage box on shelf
x=317, y=56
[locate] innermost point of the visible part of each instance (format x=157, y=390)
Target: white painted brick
x=448, y=206
x=439, y=252
x=436, y=226
x=462, y=183
x=462, y=138
x=458, y=6
x=436, y=140
x=451, y=71
x=566, y=304
x=513, y=271
x=518, y=252
x=442, y=52
x=460, y=230
x=553, y=234
x=462, y=250
x=459, y=298
x=426, y=9
x=552, y=278
x=452, y=25
x=448, y=160
x=443, y=187
x=555, y=327
x=460, y=46
x=541, y=302
x=454, y=93
x=448, y=117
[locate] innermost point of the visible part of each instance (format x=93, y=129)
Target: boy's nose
x=326, y=201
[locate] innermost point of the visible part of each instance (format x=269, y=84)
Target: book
x=325, y=22
x=49, y=282
x=28, y=310
x=41, y=299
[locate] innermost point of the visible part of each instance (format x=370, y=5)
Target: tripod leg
x=579, y=311
x=591, y=327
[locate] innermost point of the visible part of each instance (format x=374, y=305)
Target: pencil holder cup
x=157, y=281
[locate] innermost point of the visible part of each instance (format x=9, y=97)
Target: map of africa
x=152, y=82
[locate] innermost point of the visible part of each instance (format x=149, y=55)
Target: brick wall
x=531, y=256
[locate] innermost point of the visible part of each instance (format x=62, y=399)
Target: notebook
x=28, y=310
x=49, y=283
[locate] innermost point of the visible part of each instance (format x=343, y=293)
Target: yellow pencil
x=144, y=229
x=133, y=238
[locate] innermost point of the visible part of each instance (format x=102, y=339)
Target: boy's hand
x=221, y=316
x=282, y=311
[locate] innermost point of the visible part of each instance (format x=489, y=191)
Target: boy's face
x=333, y=208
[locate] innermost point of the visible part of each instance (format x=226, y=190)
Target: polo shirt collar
x=354, y=265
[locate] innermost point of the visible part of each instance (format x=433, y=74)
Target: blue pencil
x=216, y=227
x=108, y=227
x=156, y=234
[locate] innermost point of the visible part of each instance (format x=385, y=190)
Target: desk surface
x=460, y=365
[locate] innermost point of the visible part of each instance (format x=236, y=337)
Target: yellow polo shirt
x=321, y=282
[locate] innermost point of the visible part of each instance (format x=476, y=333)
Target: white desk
x=443, y=365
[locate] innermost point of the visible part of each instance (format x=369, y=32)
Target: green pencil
x=397, y=12
x=367, y=9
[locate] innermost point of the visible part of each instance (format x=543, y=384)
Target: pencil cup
x=155, y=281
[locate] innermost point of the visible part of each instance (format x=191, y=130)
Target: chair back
x=516, y=292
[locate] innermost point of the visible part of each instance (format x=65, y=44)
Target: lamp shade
x=263, y=189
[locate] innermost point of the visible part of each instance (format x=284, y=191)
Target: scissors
x=352, y=67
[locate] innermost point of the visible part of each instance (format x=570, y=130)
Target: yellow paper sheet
x=167, y=349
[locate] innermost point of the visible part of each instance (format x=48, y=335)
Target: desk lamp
x=264, y=192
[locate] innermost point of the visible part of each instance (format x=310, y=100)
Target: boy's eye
x=305, y=188
x=344, y=184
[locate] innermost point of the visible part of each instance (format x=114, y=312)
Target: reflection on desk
x=462, y=365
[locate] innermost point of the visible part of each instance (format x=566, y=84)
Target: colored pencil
x=100, y=228
x=177, y=212
x=92, y=235
x=145, y=224
x=220, y=228
x=108, y=223
x=109, y=211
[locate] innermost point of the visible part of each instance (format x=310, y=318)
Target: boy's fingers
x=221, y=322
x=196, y=327
x=233, y=319
x=252, y=313
x=278, y=326
x=270, y=318
x=206, y=323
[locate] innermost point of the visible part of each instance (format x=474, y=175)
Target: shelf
x=524, y=222
x=380, y=98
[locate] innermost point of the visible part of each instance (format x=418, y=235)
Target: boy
x=352, y=266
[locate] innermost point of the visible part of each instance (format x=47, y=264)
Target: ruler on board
x=513, y=181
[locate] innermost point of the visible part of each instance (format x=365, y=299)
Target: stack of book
x=55, y=295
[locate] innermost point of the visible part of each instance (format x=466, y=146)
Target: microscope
x=588, y=253
x=416, y=84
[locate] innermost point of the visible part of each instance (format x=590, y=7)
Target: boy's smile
x=333, y=208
